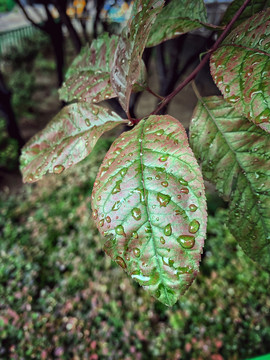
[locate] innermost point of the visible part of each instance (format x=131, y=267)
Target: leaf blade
x=88, y=78
x=235, y=157
x=241, y=69
x=127, y=59
x=151, y=201
x=68, y=138
x=177, y=18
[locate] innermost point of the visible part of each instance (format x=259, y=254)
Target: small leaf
x=88, y=78
x=252, y=8
x=235, y=156
x=66, y=140
x=149, y=197
x=177, y=18
x=241, y=69
x=127, y=59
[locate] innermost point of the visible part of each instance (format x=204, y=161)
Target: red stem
x=203, y=62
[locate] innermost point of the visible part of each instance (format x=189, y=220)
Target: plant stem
x=155, y=94
x=203, y=62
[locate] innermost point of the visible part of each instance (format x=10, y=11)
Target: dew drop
x=120, y=262
x=163, y=158
x=227, y=89
x=162, y=240
x=163, y=199
x=95, y=111
x=168, y=230
x=119, y=230
x=184, y=190
x=183, y=182
x=101, y=222
x=135, y=235
x=95, y=214
x=58, y=169
x=116, y=205
x=264, y=116
x=108, y=219
x=117, y=188
x=233, y=99
x=160, y=132
x=193, y=207
x=136, y=252
x=186, y=241
x=194, y=226
x=136, y=213
x=164, y=183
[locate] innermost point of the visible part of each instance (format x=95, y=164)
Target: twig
x=203, y=62
x=155, y=94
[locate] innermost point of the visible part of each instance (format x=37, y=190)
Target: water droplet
x=117, y=188
x=120, y=262
x=219, y=80
x=227, y=89
x=194, y=226
x=95, y=99
x=163, y=199
x=101, y=222
x=233, y=99
x=103, y=170
x=123, y=61
x=157, y=177
x=163, y=158
x=136, y=213
x=108, y=219
x=184, y=190
x=58, y=169
x=116, y=205
x=123, y=171
x=99, y=198
x=184, y=270
x=264, y=116
x=95, y=214
x=95, y=110
x=164, y=183
x=186, y=241
x=160, y=132
x=135, y=235
x=162, y=240
x=193, y=207
x=136, y=252
x=183, y=182
x=87, y=122
x=119, y=230
x=168, y=230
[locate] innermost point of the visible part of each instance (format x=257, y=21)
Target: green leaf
x=127, y=59
x=66, y=140
x=88, y=78
x=241, y=69
x=177, y=18
x=252, y=8
x=235, y=156
x=149, y=198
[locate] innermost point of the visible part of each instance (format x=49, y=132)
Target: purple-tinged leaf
x=66, y=140
x=177, y=18
x=241, y=69
x=149, y=198
x=88, y=78
x=235, y=156
x=252, y=8
x=127, y=59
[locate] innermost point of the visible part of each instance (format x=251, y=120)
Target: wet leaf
x=177, y=18
x=127, y=60
x=150, y=187
x=66, y=140
x=88, y=78
x=252, y=8
x=241, y=69
x=235, y=156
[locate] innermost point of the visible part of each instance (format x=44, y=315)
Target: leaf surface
x=235, y=156
x=88, y=78
x=66, y=140
x=241, y=69
x=252, y=8
x=127, y=59
x=177, y=18
x=149, y=198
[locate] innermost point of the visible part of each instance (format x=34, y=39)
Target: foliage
x=8, y=149
x=123, y=195
x=58, y=300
